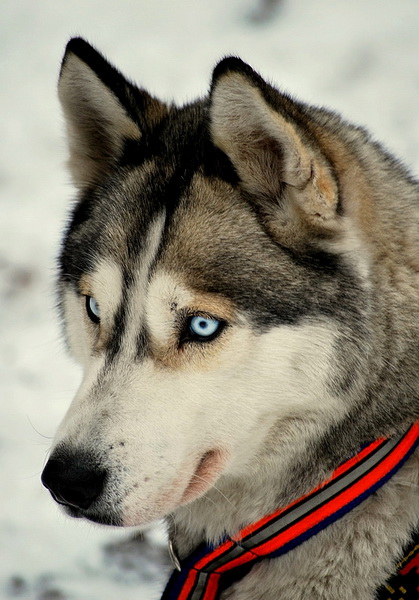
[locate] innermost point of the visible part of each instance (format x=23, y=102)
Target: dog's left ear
x=103, y=112
x=277, y=163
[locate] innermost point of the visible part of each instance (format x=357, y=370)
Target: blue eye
x=92, y=309
x=204, y=328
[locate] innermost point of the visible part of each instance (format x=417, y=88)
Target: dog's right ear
x=278, y=162
x=103, y=111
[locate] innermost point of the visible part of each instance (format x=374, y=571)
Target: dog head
x=210, y=276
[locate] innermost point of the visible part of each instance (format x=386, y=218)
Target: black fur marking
x=234, y=64
x=142, y=344
x=81, y=242
x=181, y=139
x=118, y=329
x=322, y=288
x=83, y=209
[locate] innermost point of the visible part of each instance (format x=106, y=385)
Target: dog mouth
x=207, y=471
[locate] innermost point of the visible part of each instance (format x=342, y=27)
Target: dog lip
x=73, y=512
x=60, y=500
x=106, y=518
x=207, y=471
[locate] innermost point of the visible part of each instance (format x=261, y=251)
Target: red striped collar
x=210, y=569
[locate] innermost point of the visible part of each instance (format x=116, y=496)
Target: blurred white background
x=359, y=57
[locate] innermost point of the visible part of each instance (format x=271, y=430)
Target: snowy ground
x=360, y=57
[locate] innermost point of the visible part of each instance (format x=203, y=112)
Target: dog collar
x=210, y=569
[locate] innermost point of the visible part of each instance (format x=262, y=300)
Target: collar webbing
x=210, y=569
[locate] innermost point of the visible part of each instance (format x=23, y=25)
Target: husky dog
x=240, y=281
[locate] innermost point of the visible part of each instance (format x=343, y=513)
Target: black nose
x=73, y=480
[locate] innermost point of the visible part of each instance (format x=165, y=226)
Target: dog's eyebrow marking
x=165, y=296
x=170, y=301
x=130, y=333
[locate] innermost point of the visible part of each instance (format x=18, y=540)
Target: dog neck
x=210, y=568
